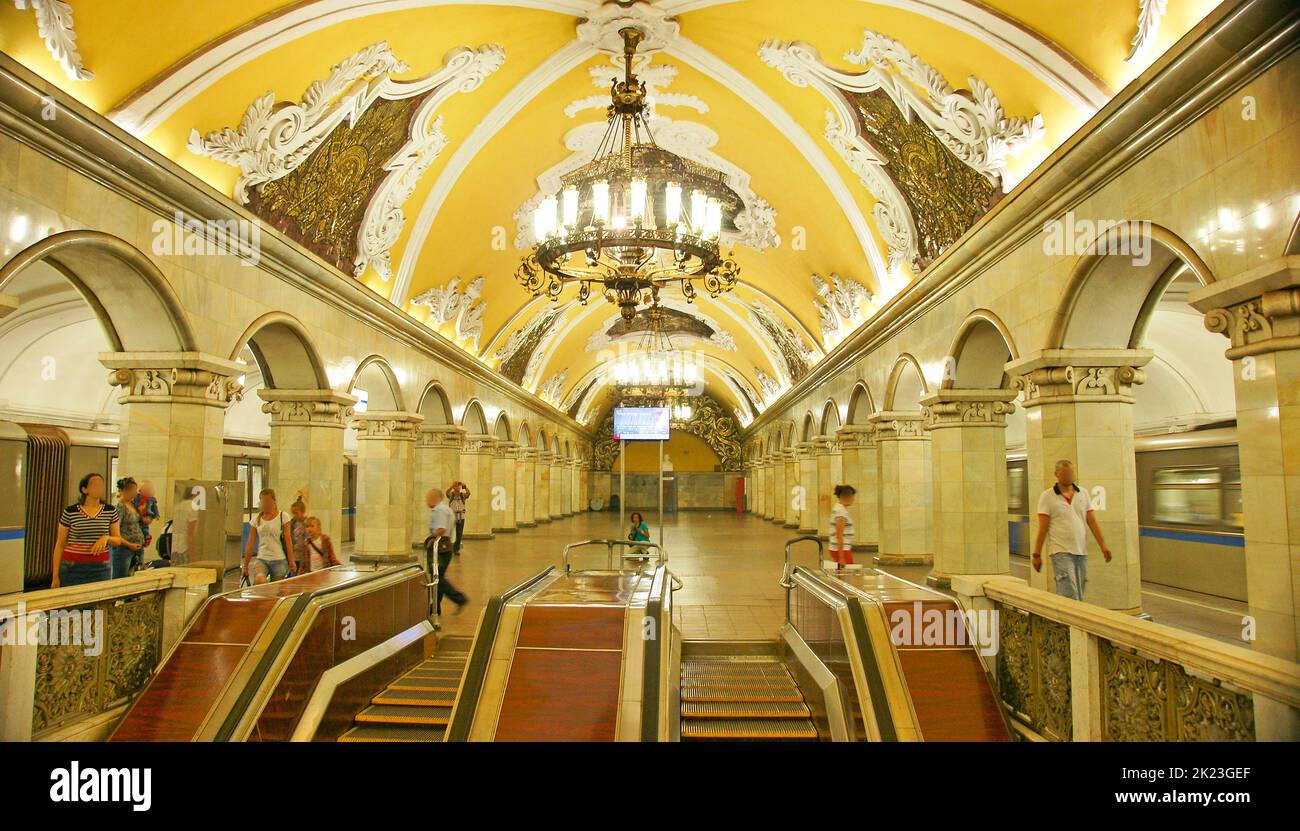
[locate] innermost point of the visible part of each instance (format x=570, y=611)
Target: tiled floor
x=729, y=565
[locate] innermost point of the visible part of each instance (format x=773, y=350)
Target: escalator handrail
x=785, y=581
x=660, y=557
x=300, y=605
x=652, y=654
x=339, y=674
x=471, y=688
x=862, y=638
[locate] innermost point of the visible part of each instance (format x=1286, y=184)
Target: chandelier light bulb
x=570, y=206
x=600, y=201
x=672, y=203
x=713, y=219
x=549, y=208
x=539, y=222
x=638, y=190
x=698, y=209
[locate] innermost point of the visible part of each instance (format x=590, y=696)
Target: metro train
x=40, y=466
x=1189, y=511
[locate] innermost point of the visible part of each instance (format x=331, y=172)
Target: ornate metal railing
x=1073, y=671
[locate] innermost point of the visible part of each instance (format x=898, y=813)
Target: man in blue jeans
x=1065, y=514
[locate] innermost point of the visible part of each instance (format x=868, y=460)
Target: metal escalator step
x=415, y=698
x=738, y=672
x=449, y=685
x=750, y=694
x=742, y=682
x=398, y=714
x=747, y=728
x=744, y=709
x=393, y=733
x=435, y=674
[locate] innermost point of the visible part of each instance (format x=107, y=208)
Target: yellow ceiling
x=132, y=46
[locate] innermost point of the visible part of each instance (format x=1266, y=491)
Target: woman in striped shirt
x=87, y=529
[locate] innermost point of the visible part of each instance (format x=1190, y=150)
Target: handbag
x=443, y=543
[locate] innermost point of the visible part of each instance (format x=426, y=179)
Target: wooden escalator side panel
x=947, y=683
x=565, y=675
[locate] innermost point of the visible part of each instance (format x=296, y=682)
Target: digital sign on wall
x=641, y=423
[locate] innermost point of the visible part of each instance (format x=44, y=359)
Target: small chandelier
x=635, y=218
x=655, y=369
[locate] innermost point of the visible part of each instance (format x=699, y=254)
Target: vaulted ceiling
x=405, y=141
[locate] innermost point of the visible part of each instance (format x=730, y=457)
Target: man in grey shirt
x=442, y=523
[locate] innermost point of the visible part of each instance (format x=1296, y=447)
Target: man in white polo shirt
x=1064, y=516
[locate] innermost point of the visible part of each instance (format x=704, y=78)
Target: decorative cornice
x=1066, y=376
x=173, y=378
x=968, y=408
x=841, y=306
x=273, y=141
x=477, y=444
x=387, y=425
x=856, y=436
x=1149, y=14
x=54, y=22
x=464, y=308
x=444, y=436
x=307, y=408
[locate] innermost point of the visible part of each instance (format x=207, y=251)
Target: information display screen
x=641, y=423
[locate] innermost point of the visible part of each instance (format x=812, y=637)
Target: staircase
x=742, y=697
x=414, y=708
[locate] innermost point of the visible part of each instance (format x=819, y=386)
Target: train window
x=1187, y=495
x=1016, y=489
x=1232, y=511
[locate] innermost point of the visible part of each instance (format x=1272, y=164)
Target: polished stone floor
x=729, y=564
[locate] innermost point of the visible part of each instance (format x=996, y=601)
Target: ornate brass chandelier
x=656, y=374
x=635, y=218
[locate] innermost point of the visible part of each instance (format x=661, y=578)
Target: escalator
x=737, y=697
x=416, y=706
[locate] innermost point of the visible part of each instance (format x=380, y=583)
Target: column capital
x=1258, y=310
x=1069, y=376
x=526, y=454
x=805, y=449
x=302, y=408
x=968, y=408
x=505, y=449
x=827, y=445
x=440, y=435
x=387, y=425
x=899, y=425
x=477, y=443
x=174, y=378
x=856, y=435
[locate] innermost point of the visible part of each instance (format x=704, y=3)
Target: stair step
x=746, y=728
x=415, y=698
x=741, y=683
x=398, y=714
x=744, y=709
x=752, y=694
x=393, y=733
x=449, y=685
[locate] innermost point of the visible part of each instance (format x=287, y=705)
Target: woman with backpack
x=268, y=533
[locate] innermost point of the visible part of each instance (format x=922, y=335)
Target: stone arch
x=861, y=404
x=384, y=393
x=555, y=445
x=525, y=435
x=473, y=419
x=809, y=431
x=501, y=428
x=138, y=309
x=284, y=352
x=1109, y=297
x=830, y=418
x=791, y=437
x=979, y=353
x=906, y=384
x=568, y=451
x=434, y=405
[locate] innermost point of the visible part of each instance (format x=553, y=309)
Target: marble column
x=810, y=516
x=765, y=500
x=556, y=487
x=859, y=452
x=905, y=489
x=503, y=493
x=1079, y=406
x=437, y=465
x=1259, y=311
x=830, y=472
x=173, y=415
x=385, y=477
x=525, y=473
x=780, y=491
x=789, y=460
x=566, y=498
x=307, y=450
x=542, y=487
x=476, y=472
x=968, y=463
x=584, y=485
